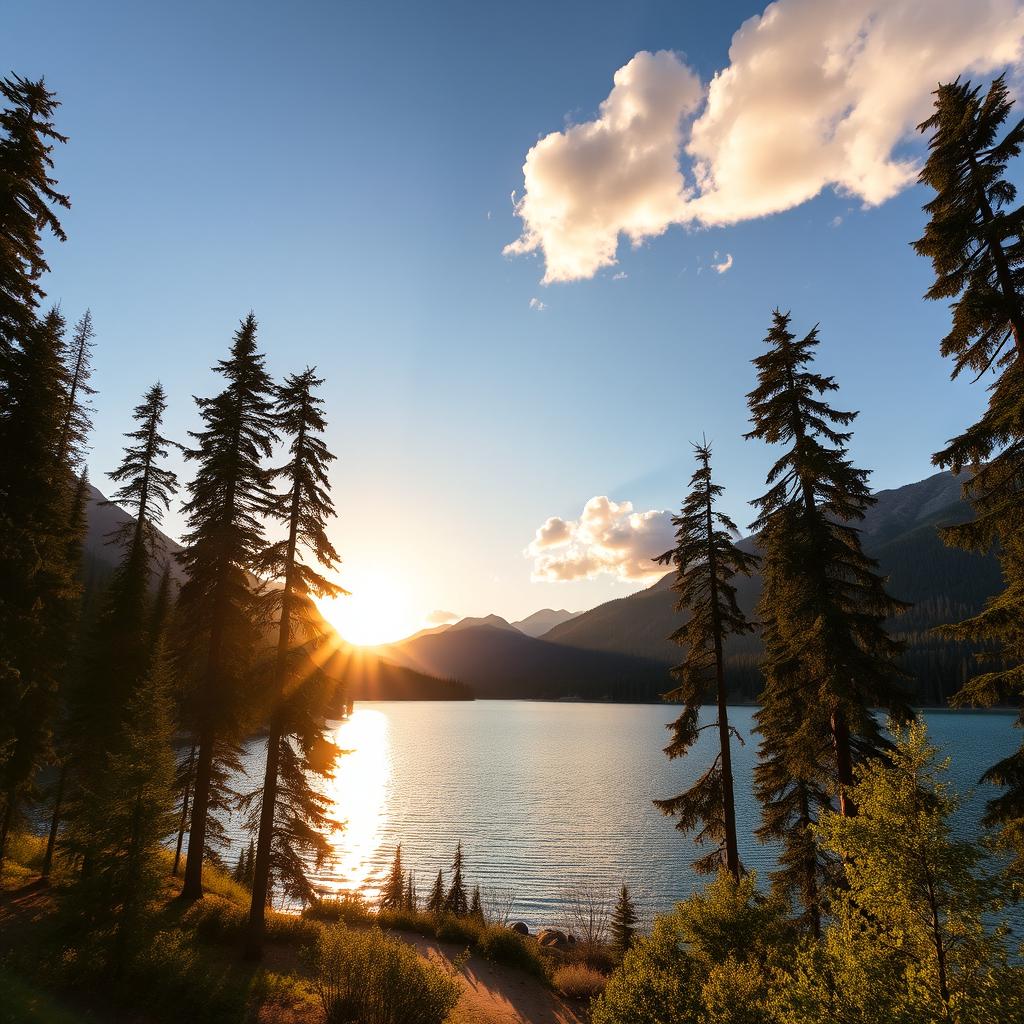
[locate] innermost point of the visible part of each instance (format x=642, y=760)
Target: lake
x=549, y=797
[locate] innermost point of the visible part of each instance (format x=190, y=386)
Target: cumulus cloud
x=723, y=264
x=608, y=538
x=536, y=304
x=439, y=617
x=816, y=94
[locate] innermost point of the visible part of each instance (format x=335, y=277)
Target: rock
x=554, y=938
x=520, y=927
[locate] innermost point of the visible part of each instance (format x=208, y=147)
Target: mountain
x=499, y=662
x=486, y=621
x=945, y=584
x=541, y=622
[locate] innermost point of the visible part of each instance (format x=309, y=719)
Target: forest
x=122, y=718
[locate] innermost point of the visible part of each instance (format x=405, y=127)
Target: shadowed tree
x=77, y=421
x=706, y=560
x=300, y=690
x=217, y=607
x=824, y=605
x=975, y=241
x=435, y=901
x=393, y=895
x=476, y=907
x=28, y=198
x=411, y=900
x=623, y=922
x=456, y=902
x=39, y=563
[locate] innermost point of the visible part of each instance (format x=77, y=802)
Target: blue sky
x=345, y=170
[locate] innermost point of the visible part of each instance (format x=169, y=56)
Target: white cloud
x=439, y=617
x=723, y=265
x=836, y=221
x=539, y=306
x=620, y=276
x=608, y=538
x=817, y=94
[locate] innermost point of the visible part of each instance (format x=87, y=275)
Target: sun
x=377, y=611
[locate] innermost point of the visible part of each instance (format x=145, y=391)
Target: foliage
x=393, y=896
x=577, y=981
x=502, y=945
x=975, y=242
x=623, y=922
x=706, y=560
x=367, y=978
x=435, y=901
x=456, y=902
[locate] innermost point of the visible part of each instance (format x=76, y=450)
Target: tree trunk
x=193, y=888
x=51, y=840
x=810, y=867
x=5, y=826
x=844, y=762
x=184, y=811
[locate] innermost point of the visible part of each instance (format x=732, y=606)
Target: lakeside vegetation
x=877, y=909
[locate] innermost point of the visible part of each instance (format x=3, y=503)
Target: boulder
x=553, y=938
x=520, y=927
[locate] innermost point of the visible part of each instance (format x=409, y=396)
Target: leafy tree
x=825, y=601
x=436, y=900
x=300, y=689
x=39, y=559
x=393, y=895
x=224, y=541
x=975, y=241
x=28, y=200
x=623, y=923
x=910, y=934
x=456, y=902
x=706, y=560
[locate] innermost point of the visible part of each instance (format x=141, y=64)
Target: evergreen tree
x=300, y=690
x=227, y=499
x=824, y=605
x=975, y=240
x=393, y=895
x=412, y=900
x=623, y=922
x=28, y=200
x=77, y=421
x=476, y=907
x=706, y=561
x=39, y=584
x=911, y=931
x=456, y=902
x=436, y=900
x=239, y=873
x=249, y=865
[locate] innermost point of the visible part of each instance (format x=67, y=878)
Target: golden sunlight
x=357, y=791
x=377, y=611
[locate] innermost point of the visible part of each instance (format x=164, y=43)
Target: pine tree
x=227, y=499
x=239, y=872
x=392, y=896
x=623, y=922
x=77, y=420
x=824, y=604
x=39, y=584
x=456, y=902
x=412, y=900
x=436, y=900
x=975, y=240
x=27, y=208
x=476, y=907
x=249, y=865
x=300, y=690
x=706, y=560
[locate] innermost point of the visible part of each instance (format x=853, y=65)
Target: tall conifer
x=227, y=499
x=392, y=896
x=824, y=605
x=456, y=902
x=706, y=561
x=975, y=241
x=300, y=691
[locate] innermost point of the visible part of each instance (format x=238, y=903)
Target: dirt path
x=495, y=994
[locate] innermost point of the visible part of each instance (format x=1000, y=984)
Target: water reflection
x=359, y=792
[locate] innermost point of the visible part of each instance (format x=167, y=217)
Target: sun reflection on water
x=358, y=792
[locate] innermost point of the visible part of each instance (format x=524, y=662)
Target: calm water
x=547, y=797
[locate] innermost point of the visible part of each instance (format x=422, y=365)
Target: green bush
x=350, y=908
x=418, y=921
x=365, y=977
x=215, y=919
x=505, y=946
x=458, y=929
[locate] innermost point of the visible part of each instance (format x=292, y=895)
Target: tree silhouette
x=393, y=895
x=227, y=499
x=436, y=901
x=456, y=902
x=706, y=560
x=975, y=241
x=623, y=922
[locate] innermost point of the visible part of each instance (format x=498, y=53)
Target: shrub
x=365, y=977
x=350, y=908
x=458, y=929
x=505, y=946
x=215, y=919
x=578, y=981
x=418, y=921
